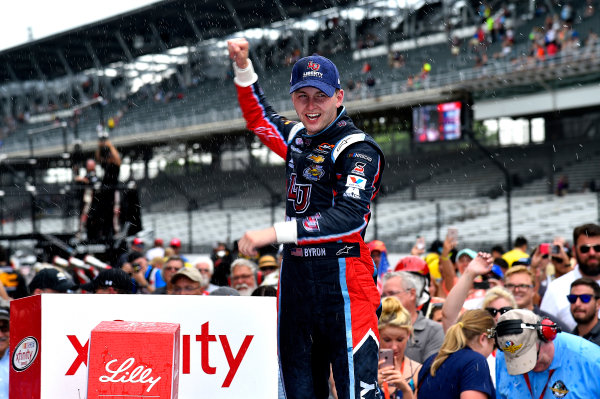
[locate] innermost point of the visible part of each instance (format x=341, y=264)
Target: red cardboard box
x=133, y=359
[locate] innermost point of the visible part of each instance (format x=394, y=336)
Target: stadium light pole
x=507, y=178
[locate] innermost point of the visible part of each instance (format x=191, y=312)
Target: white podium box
x=228, y=344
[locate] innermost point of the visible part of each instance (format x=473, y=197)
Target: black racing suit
x=327, y=297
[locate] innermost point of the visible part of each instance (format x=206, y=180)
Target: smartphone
x=555, y=249
x=420, y=242
x=545, y=248
x=452, y=233
x=387, y=355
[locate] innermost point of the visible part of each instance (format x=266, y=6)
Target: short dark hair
x=498, y=248
x=265, y=290
x=589, y=282
x=520, y=241
x=177, y=258
x=589, y=229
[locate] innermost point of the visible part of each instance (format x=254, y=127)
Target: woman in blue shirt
x=460, y=369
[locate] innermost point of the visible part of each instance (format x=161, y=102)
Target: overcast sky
x=48, y=17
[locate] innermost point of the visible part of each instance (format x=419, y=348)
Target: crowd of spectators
x=444, y=307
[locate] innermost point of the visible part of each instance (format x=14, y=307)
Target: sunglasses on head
x=585, y=248
x=494, y=311
x=585, y=298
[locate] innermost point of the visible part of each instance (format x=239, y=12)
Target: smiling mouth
x=313, y=117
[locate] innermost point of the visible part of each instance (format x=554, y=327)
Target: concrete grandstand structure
x=207, y=196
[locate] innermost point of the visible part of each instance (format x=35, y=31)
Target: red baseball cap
x=138, y=241
x=158, y=241
x=412, y=264
x=175, y=243
x=376, y=245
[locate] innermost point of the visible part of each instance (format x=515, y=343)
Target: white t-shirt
x=555, y=299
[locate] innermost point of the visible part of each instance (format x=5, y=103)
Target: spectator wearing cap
x=267, y=264
x=206, y=267
x=4, y=350
x=420, y=271
x=172, y=266
x=225, y=291
x=137, y=267
x=427, y=334
x=586, y=247
x=450, y=263
x=243, y=276
x=137, y=245
x=519, y=281
x=188, y=281
x=176, y=245
x=518, y=255
x=110, y=281
x=585, y=304
x=51, y=280
x=269, y=268
x=451, y=272
x=378, y=250
x=537, y=361
x=379, y=256
x=157, y=251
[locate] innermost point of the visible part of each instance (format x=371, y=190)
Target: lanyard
x=526, y=376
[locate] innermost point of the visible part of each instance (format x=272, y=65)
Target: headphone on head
x=546, y=329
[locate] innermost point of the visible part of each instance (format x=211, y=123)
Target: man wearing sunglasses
x=586, y=247
x=585, y=304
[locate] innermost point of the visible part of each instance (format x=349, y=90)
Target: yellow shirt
x=514, y=255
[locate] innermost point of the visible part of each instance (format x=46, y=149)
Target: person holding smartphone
x=397, y=373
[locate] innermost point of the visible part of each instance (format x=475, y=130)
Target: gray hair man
x=206, y=267
x=428, y=335
x=243, y=276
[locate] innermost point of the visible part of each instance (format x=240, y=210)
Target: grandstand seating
x=463, y=184
x=201, y=105
x=480, y=221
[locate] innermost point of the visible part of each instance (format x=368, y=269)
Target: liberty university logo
x=299, y=194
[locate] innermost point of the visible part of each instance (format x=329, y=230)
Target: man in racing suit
x=327, y=299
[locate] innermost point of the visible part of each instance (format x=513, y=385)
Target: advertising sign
x=228, y=344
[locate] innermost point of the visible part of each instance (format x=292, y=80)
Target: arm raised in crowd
x=481, y=265
x=446, y=266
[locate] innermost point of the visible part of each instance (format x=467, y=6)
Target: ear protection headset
x=546, y=329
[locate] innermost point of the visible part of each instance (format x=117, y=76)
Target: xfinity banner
x=228, y=344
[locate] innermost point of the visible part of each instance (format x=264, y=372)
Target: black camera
x=104, y=151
